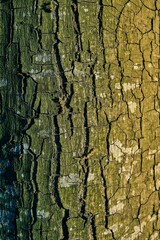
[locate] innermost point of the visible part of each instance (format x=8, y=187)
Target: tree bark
x=79, y=119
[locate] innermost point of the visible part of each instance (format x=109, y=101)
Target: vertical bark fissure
x=84, y=166
x=100, y=31
x=57, y=161
x=77, y=30
x=56, y=180
x=93, y=227
x=106, y=200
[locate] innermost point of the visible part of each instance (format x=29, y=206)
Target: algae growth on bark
x=79, y=119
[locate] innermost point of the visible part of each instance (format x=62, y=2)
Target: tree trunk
x=79, y=119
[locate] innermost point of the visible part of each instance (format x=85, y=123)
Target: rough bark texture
x=79, y=119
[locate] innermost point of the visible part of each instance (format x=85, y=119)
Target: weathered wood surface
x=79, y=119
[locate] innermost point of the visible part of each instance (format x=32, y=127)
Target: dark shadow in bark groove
x=61, y=78
x=84, y=166
x=64, y=225
x=57, y=161
x=56, y=180
x=93, y=227
x=106, y=201
x=77, y=30
x=68, y=100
